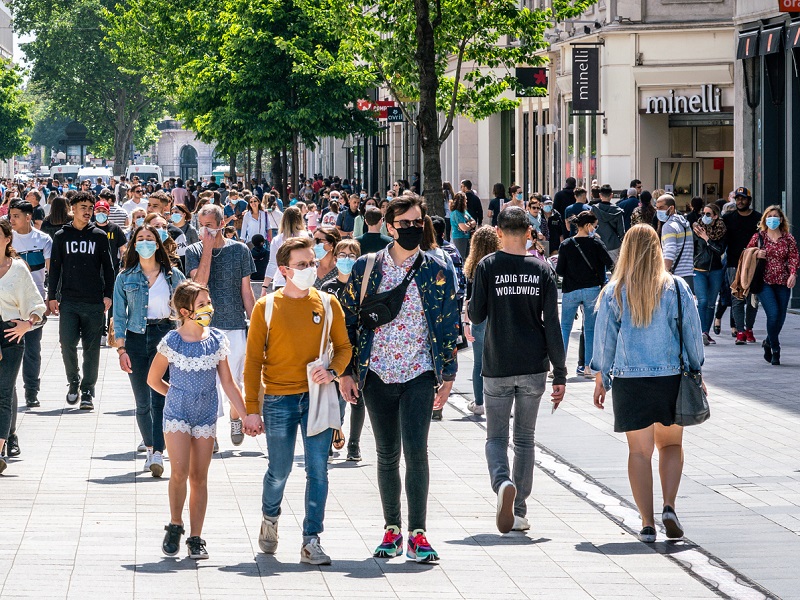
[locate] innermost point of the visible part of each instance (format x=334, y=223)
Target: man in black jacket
x=474, y=206
x=80, y=290
x=517, y=295
x=566, y=196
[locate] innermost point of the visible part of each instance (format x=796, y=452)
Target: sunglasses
x=708, y=214
x=319, y=241
x=406, y=223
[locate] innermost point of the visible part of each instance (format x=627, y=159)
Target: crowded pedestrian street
x=81, y=520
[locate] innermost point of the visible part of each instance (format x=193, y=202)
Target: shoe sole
x=200, y=557
x=267, y=549
x=237, y=441
x=673, y=527
x=157, y=470
x=315, y=561
x=505, y=509
x=647, y=539
x=422, y=559
x=36, y=404
x=72, y=402
x=354, y=459
x=170, y=553
x=87, y=407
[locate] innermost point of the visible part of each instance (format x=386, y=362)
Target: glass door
x=680, y=177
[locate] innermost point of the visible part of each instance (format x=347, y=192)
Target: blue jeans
x=32, y=362
x=775, y=300
x=569, y=308
x=478, y=332
x=706, y=287
x=282, y=416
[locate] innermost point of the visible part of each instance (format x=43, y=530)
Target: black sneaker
x=172, y=541
x=671, y=523
x=12, y=445
x=353, y=453
x=32, y=401
x=72, y=394
x=197, y=548
x=86, y=401
x=647, y=535
x=437, y=415
x=767, y=351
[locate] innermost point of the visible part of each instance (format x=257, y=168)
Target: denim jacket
x=623, y=350
x=131, y=294
x=437, y=292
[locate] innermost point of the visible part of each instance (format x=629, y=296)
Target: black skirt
x=641, y=401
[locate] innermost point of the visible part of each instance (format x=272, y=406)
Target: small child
x=312, y=217
x=195, y=355
x=230, y=233
x=260, y=254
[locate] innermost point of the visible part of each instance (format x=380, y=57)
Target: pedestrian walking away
x=142, y=317
x=637, y=348
x=21, y=309
x=610, y=222
x=288, y=329
x=196, y=355
x=80, y=289
x=406, y=300
x=779, y=249
x=517, y=296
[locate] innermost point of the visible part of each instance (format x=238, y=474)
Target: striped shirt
x=677, y=243
x=117, y=215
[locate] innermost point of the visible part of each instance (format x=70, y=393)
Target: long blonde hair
x=640, y=270
x=292, y=222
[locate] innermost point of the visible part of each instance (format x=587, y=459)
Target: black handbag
x=691, y=407
x=379, y=309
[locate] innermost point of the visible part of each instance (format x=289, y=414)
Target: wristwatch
x=333, y=373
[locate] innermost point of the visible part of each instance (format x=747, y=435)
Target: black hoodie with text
x=80, y=266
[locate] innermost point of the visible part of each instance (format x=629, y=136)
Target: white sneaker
x=142, y=447
x=268, y=536
x=104, y=340
x=520, y=524
x=313, y=554
x=148, y=462
x=475, y=409
x=551, y=375
x=157, y=464
x=505, y=506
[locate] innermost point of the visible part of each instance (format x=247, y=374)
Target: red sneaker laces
x=389, y=537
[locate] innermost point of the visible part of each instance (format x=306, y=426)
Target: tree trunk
x=259, y=170
x=428, y=118
x=295, y=164
x=232, y=166
x=276, y=170
x=284, y=183
x=122, y=147
x=248, y=170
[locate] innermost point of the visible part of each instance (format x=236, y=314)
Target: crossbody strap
x=678, y=258
x=578, y=246
x=680, y=322
x=328, y=322
x=269, y=304
x=365, y=277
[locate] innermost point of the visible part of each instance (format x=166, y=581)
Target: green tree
x=451, y=57
x=81, y=78
x=14, y=112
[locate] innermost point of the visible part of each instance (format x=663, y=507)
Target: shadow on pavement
x=120, y=457
x=131, y=412
x=125, y=478
x=47, y=413
x=167, y=564
x=632, y=548
x=244, y=453
x=369, y=568
x=496, y=539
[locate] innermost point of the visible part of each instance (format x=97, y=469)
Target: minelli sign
x=709, y=100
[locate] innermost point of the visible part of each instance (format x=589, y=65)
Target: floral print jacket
x=439, y=304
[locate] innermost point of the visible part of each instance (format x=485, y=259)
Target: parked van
x=145, y=173
x=92, y=173
x=63, y=172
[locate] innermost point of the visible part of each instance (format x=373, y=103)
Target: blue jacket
x=623, y=350
x=131, y=294
x=437, y=291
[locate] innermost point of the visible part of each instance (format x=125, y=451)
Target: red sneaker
x=741, y=338
x=751, y=339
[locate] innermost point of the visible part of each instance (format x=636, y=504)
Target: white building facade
x=180, y=154
x=6, y=52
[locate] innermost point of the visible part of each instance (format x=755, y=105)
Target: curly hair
x=484, y=241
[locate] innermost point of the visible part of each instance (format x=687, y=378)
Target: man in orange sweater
x=277, y=356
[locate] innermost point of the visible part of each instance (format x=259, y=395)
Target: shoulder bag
x=757, y=282
x=691, y=407
x=379, y=309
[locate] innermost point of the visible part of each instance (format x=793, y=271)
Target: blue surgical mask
x=773, y=222
x=707, y=220
x=345, y=265
x=146, y=248
x=319, y=251
x=163, y=234
x=100, y=217
x=140, y=221
x=662, y=215
x=592, y=233
x=519, y=196
x=547, y=208
x=176, y=217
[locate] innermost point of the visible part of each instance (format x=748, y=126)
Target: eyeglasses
x=137, y=191
x=406, y=223
x=343, y=255
x=304, y=265
x=319, y=241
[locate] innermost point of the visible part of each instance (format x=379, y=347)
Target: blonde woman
x=636, y=346
x=292, y=225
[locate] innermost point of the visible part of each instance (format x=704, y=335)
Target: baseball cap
x=742, y=191
x=101, y=204
x=547, y=199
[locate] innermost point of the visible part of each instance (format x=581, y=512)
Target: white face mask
x=304, y=278
x=528, y=245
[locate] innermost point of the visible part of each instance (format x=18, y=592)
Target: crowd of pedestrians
x=292, y=312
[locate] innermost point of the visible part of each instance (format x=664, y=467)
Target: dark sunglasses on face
x=406, y=223
x=319, y=241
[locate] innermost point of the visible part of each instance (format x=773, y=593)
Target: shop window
x=715, y=139
x=680, y=142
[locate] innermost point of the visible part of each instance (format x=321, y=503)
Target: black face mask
x=410, y=238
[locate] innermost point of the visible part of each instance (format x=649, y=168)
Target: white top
x=130, y=206
x=274, y=218
x=329, y=219
x=272, y=271
x=158, y=300
x=252, y=226
x=19, y=298
x=35, y=249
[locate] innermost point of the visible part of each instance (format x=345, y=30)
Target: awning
x=748, y=44
x=770, y=41
x=793, y=35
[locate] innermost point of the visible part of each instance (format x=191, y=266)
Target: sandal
x=338, y=439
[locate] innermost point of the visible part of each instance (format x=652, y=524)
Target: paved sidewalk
x=740, y=496
x=80, y=520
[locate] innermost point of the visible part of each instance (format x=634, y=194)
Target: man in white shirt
x=34, y=247
x=136, y=199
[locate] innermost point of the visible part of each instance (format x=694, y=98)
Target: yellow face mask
x=203, y=315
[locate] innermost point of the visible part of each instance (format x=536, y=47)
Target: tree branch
x=448, y=123
x=403, y=107
x=438, y=19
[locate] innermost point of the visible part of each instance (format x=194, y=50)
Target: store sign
x=789, y=5
x=394, y=114
x=709, y=100
x=585, y=79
